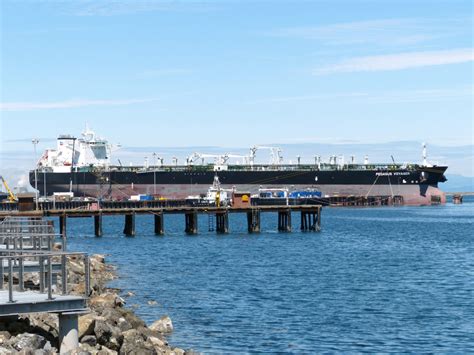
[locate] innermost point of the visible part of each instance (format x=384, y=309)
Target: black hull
x=180, y=184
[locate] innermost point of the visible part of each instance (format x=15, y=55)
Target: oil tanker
x=83, y=166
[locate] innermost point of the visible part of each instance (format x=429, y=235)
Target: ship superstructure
x=71, y=152
x=83, y=166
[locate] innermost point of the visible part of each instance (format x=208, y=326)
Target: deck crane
x=245, y=158
x=11, y=195
x=275, y=152
x=220, y=160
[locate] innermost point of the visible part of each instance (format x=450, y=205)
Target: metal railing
x=27, y=247
x=45, y=261
x=29, y=234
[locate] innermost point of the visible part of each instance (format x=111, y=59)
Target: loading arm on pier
x=11, y=195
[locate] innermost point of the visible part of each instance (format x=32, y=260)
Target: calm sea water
x=374, y=280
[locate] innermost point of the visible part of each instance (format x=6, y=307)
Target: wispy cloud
x=165, y=72
x=310, y=97
x=75, y=103
x=425, y=95
x=387, y=32
x=398, y=61
x=124, y=7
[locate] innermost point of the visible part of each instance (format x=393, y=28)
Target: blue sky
x=237, y=73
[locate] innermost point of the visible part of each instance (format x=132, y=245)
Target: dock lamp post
x=154, y=173
x=35, y=142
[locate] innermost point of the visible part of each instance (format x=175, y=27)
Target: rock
x=129, y=294
x=89, y=340
x=76, y=267
x=108, y=335
x=17, y=326
x=6, y=350
x=123, y=324
x=46, y=324
x=132, y=318
x=41, y=352
x=57, y=246
x=4, y=337
x=178, y=351
x=107, y=300
x=28, y=341
x=152, y=303
x=86, y=324
x=106, y=351
x=162, y=325
x=157, y=342
x=98, y=259
x=134, y=343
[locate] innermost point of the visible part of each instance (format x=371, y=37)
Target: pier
x=310, y=220
x=27, y=249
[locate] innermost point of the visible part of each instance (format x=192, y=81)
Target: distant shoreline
x=470, y=193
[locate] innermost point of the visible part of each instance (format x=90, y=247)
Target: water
x=374, y=280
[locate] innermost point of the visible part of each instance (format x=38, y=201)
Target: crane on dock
x=11, y=195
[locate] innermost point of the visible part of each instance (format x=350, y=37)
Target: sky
x=237, y=73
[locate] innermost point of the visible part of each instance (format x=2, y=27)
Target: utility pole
x=154, y=173
x=35, y=142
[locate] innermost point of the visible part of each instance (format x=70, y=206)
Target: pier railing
x=43, y=263
x=27, y=250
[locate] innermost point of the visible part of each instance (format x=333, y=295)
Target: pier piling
x=98, y=225
x=218, y=218
x=68, y=331
x=222, y=222
x=159, y=223
x=311, y=220
x=191, y=221
x=129, y=229
x=284, y=221
x=63, y=225
x=253, y=221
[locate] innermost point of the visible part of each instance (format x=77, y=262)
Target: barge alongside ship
x=82, y=166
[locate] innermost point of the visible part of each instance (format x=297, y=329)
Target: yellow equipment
x=11, y=195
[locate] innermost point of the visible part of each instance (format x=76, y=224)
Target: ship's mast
x=425, y=162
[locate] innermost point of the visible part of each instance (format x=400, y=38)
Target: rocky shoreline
x=110, y=327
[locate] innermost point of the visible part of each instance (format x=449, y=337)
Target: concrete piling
x=222, y=222
x=159, y=223
x=311, y=220
x=129, y=229
x=63, y=225
x=284, y=221
x=253, y=221
x=98, y=225
x=191, y=221
x=68, y=332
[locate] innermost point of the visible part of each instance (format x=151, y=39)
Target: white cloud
x=75, y=103
x=399, y=61
x=385, y=32
x=125, y=7
x=165, y=72
x=422, y=95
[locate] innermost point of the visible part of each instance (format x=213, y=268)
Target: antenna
x=425, y=162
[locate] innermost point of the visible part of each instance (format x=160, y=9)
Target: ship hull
x=416, y=187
